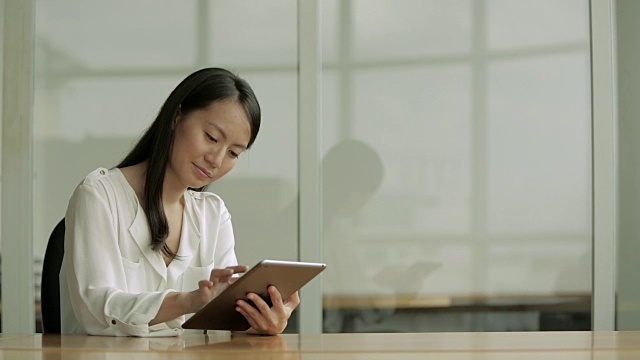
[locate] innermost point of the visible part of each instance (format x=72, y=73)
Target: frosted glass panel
x=115, y=34
x=117, y=106
x=456, y=169
x=103, y=69
x=406, y=29
x=539, y=145
x=523, y=24
x=260, y=33
x=419, y=123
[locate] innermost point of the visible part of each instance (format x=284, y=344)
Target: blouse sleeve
x=96, y=275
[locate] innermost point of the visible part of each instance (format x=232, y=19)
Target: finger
x=256, y=316
x=259, y=302
x=270, y=318
x=218, y=275
x=293, y=301
x=204, y=284
x=238, y=268
x=249, y=318
x=248, y=308
x=276, y=299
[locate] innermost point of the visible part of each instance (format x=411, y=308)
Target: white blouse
x=111, y=282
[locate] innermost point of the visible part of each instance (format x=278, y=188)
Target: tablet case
x=286, y=276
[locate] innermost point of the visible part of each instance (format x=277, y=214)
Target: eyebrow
x=244, y=147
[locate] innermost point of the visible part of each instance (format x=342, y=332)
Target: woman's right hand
x=219, y=280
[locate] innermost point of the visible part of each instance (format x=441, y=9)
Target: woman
x=144, y=244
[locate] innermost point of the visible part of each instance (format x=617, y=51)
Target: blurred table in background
x=419, y=313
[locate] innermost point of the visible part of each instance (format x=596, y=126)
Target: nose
x=215, y=157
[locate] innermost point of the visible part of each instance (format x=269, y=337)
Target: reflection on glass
x=480, y=120
x=352, y=173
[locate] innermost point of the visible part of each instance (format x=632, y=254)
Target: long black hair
x=196, y=91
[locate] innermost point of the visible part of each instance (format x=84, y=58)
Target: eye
x=233, y=154
x=211, y=138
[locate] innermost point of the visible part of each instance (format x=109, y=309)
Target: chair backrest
x=50, y=284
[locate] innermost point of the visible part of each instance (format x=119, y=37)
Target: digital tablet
x=287, y=276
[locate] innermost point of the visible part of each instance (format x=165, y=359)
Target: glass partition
x=457, y=166
x=103, y=72
x=456, y=144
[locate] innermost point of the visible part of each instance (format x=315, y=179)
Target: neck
x=172, y=190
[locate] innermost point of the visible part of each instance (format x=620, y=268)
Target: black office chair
x=50, y=284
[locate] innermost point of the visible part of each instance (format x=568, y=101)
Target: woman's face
x=207, y=143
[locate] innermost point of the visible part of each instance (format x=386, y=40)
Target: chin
x=200, y=184
x=195, y=184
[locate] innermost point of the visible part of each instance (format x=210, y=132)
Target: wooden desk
x=441, y=346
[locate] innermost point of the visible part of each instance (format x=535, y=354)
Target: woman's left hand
x=264, y=319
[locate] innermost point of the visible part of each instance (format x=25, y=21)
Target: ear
x=177, y=116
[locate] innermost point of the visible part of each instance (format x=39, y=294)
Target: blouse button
x=102, y=172
x=113, y=322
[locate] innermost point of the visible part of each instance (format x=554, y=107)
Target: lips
x=203, y=172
